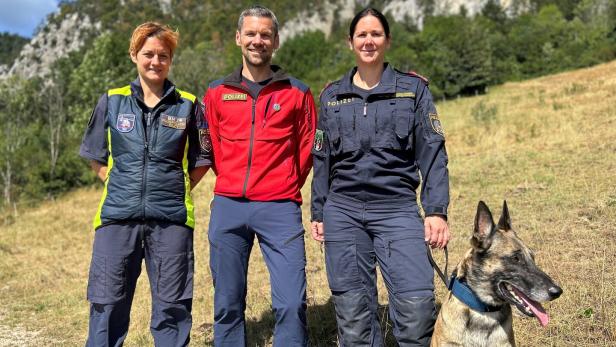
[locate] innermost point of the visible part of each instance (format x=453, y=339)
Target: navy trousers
x=116, y=264
x=358, y=235
x=234, y=223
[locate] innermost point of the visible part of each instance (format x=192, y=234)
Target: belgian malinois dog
x=501, y=272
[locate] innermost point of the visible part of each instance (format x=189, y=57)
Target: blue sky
x=22, y=16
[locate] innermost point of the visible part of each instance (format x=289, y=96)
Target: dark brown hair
x=369, y=11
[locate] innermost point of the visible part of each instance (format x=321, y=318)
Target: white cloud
x=22, y=16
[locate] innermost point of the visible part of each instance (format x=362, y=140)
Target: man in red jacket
x=262, y=124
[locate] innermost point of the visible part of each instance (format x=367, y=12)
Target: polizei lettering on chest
x=340, y=102
x=234, y=97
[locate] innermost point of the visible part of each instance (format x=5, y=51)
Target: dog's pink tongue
x=536, y=307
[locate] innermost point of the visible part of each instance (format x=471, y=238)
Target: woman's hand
x=316, y=229
x=436, y=231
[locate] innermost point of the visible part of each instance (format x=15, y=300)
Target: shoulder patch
x=318, y=140
x=436, y=124
x=415, y=74
x=205, y=140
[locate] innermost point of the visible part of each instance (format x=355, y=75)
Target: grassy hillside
x=548, y=146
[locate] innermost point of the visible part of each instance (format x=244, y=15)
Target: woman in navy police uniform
x=378, y=130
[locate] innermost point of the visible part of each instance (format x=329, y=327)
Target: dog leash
x=459, y=289
x=440, y=273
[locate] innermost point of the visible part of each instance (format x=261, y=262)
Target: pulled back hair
x=369, y=11
x=258, y=11
x=168, y=36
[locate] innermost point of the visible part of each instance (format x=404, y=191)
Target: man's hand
x=436, y=231
x=316, y=229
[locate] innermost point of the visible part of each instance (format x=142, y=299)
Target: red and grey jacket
x=261, y=143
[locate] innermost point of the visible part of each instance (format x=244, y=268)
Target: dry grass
x=548, y=146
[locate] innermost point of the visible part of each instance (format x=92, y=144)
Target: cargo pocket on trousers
x=107, y=279
x=175, y=277
x=408, y=265
x=341, y=264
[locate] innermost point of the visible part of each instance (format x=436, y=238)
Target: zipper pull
x=365, y=106
x=149, y=119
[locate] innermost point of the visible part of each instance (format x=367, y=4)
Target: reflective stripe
x=187, y=95
x=119, y=91
x=97, y=218
x=190, y=208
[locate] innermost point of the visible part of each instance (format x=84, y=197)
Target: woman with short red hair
x=149, y=144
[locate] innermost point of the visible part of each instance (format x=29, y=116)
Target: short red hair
x=168, y=36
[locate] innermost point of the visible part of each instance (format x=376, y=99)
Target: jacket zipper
x=252, y=135
x=145, y=162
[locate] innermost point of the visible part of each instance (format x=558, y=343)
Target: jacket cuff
x=436, y=210
x=317, y=216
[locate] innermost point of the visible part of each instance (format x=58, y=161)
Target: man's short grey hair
x=258, y=11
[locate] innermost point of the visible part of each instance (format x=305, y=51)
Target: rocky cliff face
x=324, y=17
x=55, y=41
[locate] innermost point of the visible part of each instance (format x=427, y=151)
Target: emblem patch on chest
x=125, y=123
x=173, y=122
x=436, y=124
x=234, y=97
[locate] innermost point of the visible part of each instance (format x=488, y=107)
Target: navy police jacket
x=148, y=153
x=373, y=145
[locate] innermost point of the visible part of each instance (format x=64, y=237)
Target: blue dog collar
x=464, y=293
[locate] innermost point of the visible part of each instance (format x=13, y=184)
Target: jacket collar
x=137, y=90
x=235, y=78
x=387, y=84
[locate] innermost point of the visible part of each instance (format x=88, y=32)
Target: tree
x=194, y=68
x=455, y=53
x=105, y=65
x=17, y=117
x=314, y=59
x=10, y=46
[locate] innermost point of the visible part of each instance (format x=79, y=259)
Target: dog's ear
x=504, y=223
x=484, y=228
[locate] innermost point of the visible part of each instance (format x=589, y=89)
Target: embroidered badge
x=205, y=140
x=405, y=95
x=173, y=122
x=318, y=140
x=235, y=97
x=125, y=123
x=436, y=124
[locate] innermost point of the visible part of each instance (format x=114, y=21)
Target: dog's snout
x=555, y=292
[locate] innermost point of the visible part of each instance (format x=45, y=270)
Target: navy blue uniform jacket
x=374, y=145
